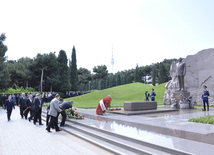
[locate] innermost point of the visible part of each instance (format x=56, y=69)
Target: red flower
x=29, y=107
x=75, y=109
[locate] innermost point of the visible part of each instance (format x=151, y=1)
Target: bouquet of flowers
x=27, y=109
x=73, y=114
x=114, y=109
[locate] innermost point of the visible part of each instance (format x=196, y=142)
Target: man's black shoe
x=58, y=130
x=29, y=119
x=40, y=124
x=48, y=130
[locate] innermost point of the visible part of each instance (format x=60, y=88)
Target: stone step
x=109, y=142
x=121, y=143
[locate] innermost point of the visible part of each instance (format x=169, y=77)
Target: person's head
x=10, y=97
x=152, y=89
x=60, y=100
x=23, y=94
x=30, y=96
x=205, y=87
x=146, y=91
x=180, y=59
x=71, y=102
x=38, y=95
x=57, y=97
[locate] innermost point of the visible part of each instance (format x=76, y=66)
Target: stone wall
x=199, y=72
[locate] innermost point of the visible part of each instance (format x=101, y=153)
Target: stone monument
x=199, y=72
x=177, y=97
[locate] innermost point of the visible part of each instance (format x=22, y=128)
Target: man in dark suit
x=65, y=105
x=2, y=100
x=22, y=104
x=38, y=109
x=29, y=106
x=9, y=105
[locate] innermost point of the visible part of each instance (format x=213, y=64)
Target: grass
x=119, y=94
x=203, y=119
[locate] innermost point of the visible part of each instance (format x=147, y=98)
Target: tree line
x=51, y=72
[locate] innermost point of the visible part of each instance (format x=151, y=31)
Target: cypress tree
x=64, y=77
x=137, y=76
x=73, y=71
x=162, y=77
x=153, y=75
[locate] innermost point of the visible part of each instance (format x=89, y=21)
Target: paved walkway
x=20, y=137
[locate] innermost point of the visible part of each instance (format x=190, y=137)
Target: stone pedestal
x=142, y=105
x=177, y=96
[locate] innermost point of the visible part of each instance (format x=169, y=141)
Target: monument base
x=181, y=99
x=141, y=105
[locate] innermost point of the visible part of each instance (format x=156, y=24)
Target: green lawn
x=119, y=94
x=203, y=119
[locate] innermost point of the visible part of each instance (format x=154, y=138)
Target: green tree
x=84, y=76
x=41, y=64
x=162, y=76
x=154, y=75
x=64, y=76
x=138, y=76
x=51, y=75
x=101, y=72
x=118, y=79
x=4, y=74
x=73, y=71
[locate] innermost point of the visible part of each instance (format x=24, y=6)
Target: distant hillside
x=119, y=94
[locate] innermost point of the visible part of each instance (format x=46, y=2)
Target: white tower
x=112, y=61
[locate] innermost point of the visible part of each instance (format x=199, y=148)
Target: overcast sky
x=141, y=31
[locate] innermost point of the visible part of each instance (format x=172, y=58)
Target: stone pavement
x=20, y=137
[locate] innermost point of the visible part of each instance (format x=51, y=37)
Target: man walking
x=9, y=105
x=54, y=109
x=22, y=104
x=65, y=105
x=3, y=99
x=38, y=109
x=29, y=105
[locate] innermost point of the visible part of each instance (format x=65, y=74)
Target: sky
x=137, y=31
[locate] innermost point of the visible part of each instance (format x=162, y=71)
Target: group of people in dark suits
x=31, y=104
x=152, y=96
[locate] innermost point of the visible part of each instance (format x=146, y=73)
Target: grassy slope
x=119, y=94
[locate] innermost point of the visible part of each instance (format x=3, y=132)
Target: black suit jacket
x=28, y=102
x=22, y=102
x=37, y=104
